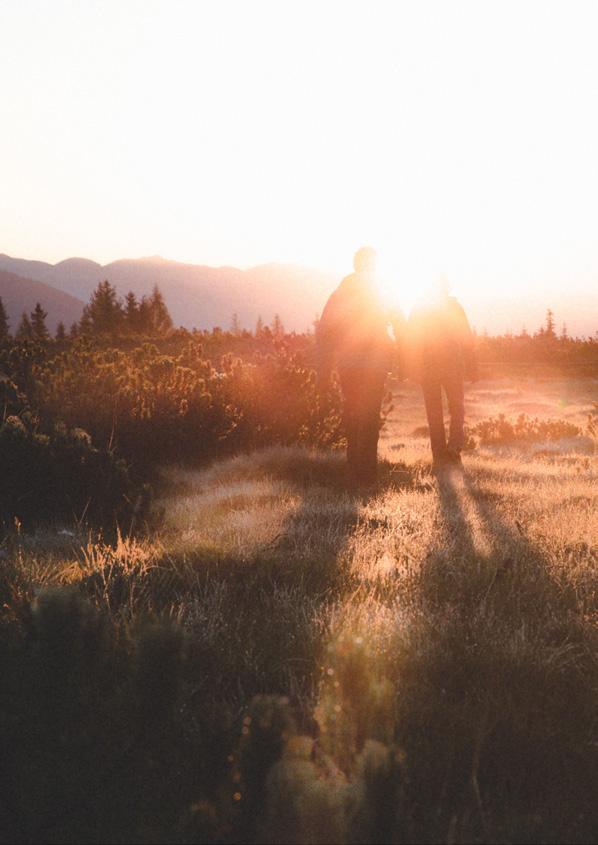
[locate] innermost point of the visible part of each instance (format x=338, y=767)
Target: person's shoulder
x=454, y=305
x=337, y=297
x=420, y=310
x=347, y=282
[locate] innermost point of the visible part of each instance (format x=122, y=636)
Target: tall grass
x=289, y=663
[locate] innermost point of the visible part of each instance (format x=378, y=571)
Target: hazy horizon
x=456, y=138
x=498, y=314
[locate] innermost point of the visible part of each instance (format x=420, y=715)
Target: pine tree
x=74, y=330
x=259, y=326
x=549, y=330
x=60, y=332
x=104, y=311
x=564, y=332
x=4, y=325
x=24, y=330
x=144, y=316
x=277, y=326
x=38, y=323
x=85, y=325
x=235, y=328
x=161, y=321
x=131, y=312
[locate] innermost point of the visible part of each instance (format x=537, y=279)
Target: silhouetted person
x=352, y=335
x=441, y=355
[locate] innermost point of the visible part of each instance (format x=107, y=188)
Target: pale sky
x=454, y=136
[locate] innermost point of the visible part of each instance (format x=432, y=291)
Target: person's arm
x=413, y=345
x=467, y=342
x=399, y=330
x=398, y=323
x=326, y=345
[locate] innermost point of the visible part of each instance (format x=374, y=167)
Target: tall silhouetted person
x=442, y=355
x=352, y=335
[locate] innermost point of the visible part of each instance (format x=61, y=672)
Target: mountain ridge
x=20, y=294
x=202, y=296
x=197, y=295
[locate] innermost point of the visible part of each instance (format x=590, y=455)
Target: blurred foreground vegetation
x=287, y=663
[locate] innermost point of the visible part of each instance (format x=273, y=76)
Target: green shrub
x=151, y=408
x=86, y=423
x=498, y=430
x=57, y=475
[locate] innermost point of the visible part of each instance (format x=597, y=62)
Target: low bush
x=47, y=476
x=153, y=408
x=499, y=430
x=87, y=425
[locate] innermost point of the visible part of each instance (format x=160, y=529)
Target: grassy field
x=416, y=665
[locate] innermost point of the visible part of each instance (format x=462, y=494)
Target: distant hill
x=21, y=294
x=196, y=295
x=204, y=297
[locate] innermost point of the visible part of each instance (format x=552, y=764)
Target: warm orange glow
x=239, y=133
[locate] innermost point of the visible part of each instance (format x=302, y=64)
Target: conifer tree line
x=4, y=324
x=275, y=329
x=105, y=314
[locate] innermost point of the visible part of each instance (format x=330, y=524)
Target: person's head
x=364, y=260
x=440, y=288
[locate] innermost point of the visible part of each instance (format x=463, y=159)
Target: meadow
x=277, y=660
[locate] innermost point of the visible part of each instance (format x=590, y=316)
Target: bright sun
x=403, y=283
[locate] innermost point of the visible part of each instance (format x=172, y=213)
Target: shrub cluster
x=45, y=476
x=75, y=411
x=501, y=430
x=153, y=407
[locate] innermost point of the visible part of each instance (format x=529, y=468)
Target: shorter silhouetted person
x=441, y=354
x=352, y=335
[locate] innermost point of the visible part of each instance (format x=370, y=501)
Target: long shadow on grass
x=258, y=621
x=310, y=566
x=500, y=721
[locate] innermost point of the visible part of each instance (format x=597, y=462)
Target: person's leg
x=433, y=402
x=350, y=391
x=455, y=395
x=372, y=393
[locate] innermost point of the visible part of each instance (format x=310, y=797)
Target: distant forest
x=109, y=318
x=545, y=346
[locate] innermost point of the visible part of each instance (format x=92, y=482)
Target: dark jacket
x=353, y=329
x=440, y=343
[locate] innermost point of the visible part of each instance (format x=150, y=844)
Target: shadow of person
x=396, y=475
x=510, y=657
x=311, y=562
x=453, y=510
x=477, y=527
x=525, y=585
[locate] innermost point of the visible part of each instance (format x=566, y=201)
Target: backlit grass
x=416, y=665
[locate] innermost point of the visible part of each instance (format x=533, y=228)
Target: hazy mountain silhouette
x=203, y=297
x=20, y=294
x=196, y=295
